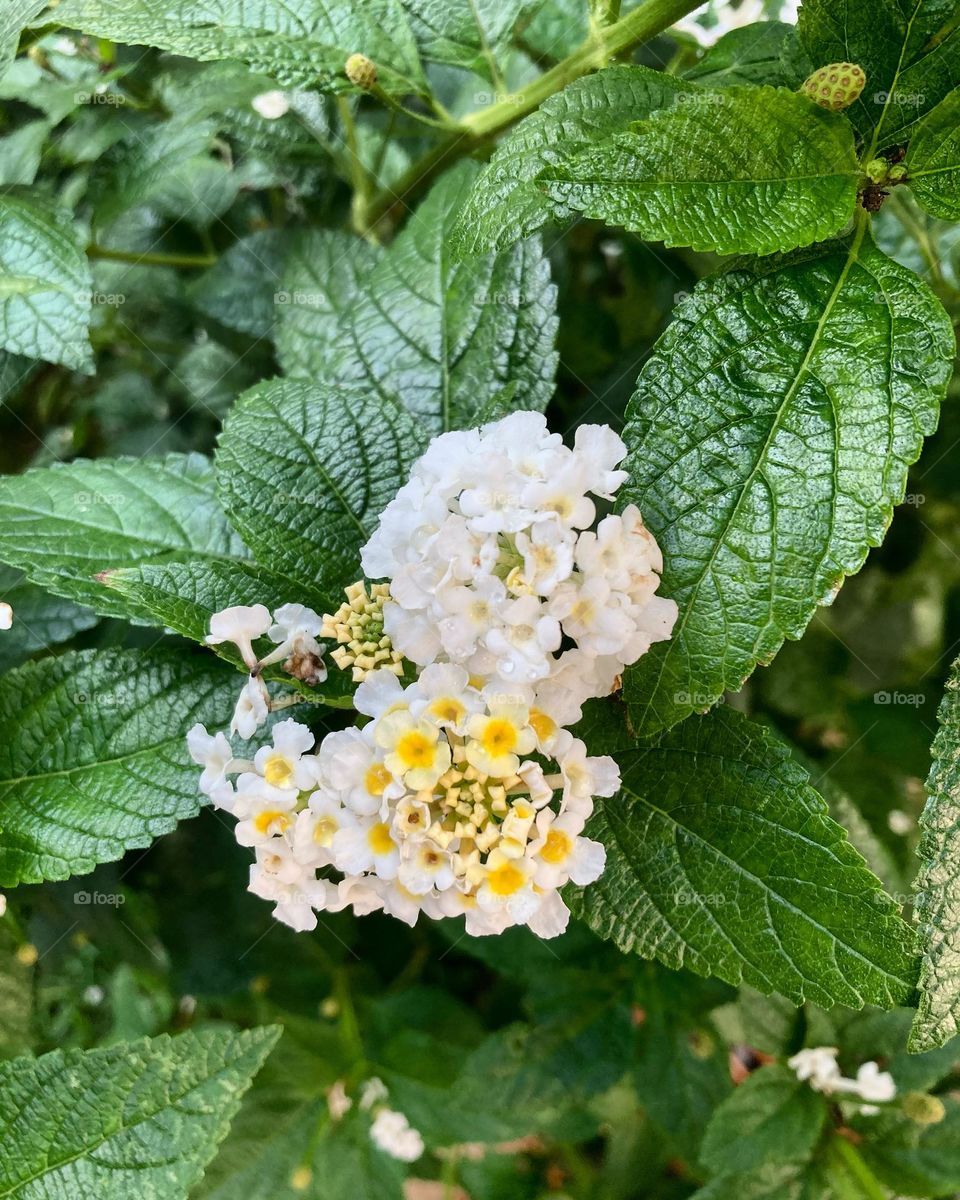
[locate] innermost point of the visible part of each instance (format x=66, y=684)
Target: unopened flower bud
x=361, y=71
x=923, y=1109
x=876, y=169
x=835, y=86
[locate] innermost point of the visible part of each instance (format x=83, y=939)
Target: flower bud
x=360, y=70
x=923, y=1109
x=835, y=86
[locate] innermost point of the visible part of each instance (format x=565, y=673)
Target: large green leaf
x=94, y=761
x=933, y=160
x=751, y=54
x=304, y=471
x=938, y=883
x=742, y=170
x=771, y=1117
x=507, y=202
x=915, y=1160
x=64, y=525
x=909, y=50
x=242, y=290
x=463, y=33
x=769, y=437
x=722, y=858
x=304, y=44
x=15, y=15
x=44, y=285
x=442, y=338
x=321, y=279
x=134, y=1119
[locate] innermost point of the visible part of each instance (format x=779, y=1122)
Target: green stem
x=604, y=43
x=848, y=1159
x=150, y=260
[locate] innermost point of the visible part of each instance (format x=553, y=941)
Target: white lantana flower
x=392, y=1132
x=6, y=616
x=818, y=1066
x=240, y=625
x=271, y=105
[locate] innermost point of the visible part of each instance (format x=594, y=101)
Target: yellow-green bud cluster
x=835, y=86
x=357, y=626
x=361, y=71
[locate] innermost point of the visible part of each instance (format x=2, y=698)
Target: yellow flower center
x=263, y=820
x=448, y=708
x=543, y=726
x=506, y=880
x=376, y=779
x=324, y=830
x=557, y=847
x=499, y=736
x=415, y=749
x=380, y=840
x=278, y=771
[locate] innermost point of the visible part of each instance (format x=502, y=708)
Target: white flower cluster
x=492, y=563
x=462, y=791
x=389, y=1130
x=818, y=1066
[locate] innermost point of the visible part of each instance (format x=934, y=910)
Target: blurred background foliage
x=548, y=1069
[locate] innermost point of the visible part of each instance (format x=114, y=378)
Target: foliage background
x=532, y=1069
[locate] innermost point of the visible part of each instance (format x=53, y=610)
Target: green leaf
x=306, y=45
x=138, y=1118
x=722, y=858
x=94, y=762
x=40, y=620
x=742, y=170
x=64, y=525
x=304, y=471
x=507, y=203
x=16, y=996
x=770, y=1117
x=440, y=337
x=778, y=1181
x=933, y=159
x=15, y=15
x=463, y=33
x=938, y=882
x=44, y=285
x=20, y=153
x=321, y=279
x=751, y=54
x=770, y=436
x=241, y=290
x=908, y=49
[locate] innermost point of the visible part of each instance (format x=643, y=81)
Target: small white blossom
x=271, y=105
x=240, y=625
x=6, y=616
x=391, y=1131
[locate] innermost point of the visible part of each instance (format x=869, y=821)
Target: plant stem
x=604, y=43
x=150, y=260
x=848, y=1159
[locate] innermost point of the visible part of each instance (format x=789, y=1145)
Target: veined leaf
x=64, y=525
x=138, y=1118
x=908, y=49
x=507, y=202
x=721, y=858
x=242, y=290
x=463, y=33
x=415, y=328
x=321, y=278
x=94, y=762
x=15, y=15
x=751, y=54
x=741, y=170
x=44, y=285
x=305, y=470
x=305, y=44
x=938, y=883
x=770, y=436
x=933, y=160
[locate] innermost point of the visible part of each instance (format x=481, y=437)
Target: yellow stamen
x=380, y=840
x=278, y=771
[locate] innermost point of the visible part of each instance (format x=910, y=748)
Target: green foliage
x=239, y=293
x=136, y=1117
x=96, y=762
x=743, y=170
x=760, y=528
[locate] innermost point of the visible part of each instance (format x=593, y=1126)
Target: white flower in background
x=461, y=791
x=272, y=105
x=6, y=616
x=709, y=23
x=819, y=1067
x=391, y=1131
